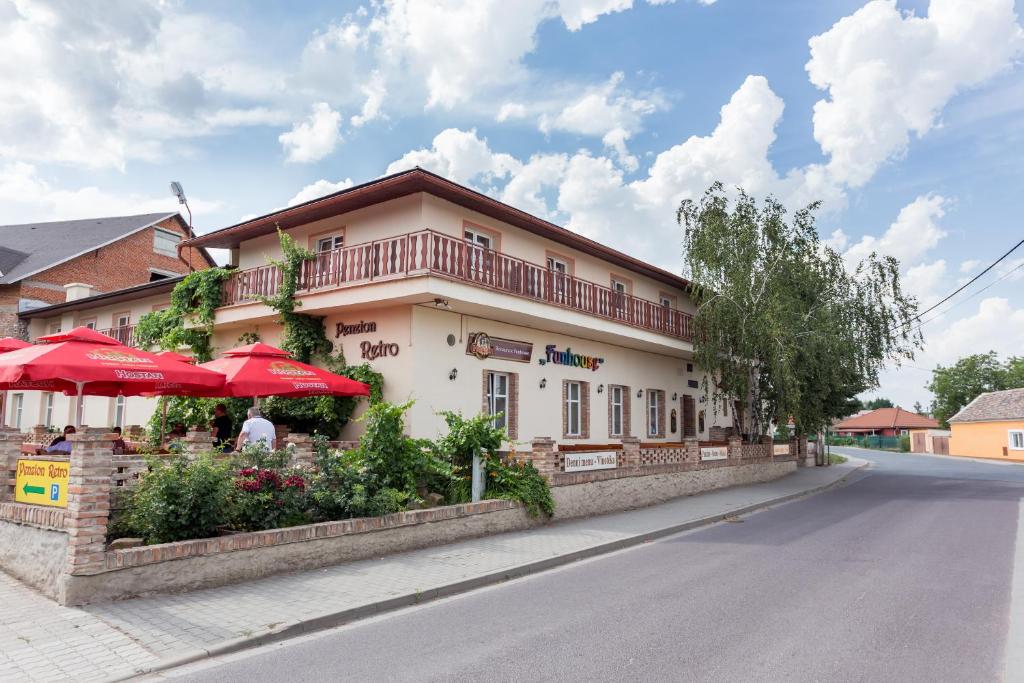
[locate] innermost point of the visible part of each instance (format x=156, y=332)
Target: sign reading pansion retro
x=483, y=345
x=42, y=482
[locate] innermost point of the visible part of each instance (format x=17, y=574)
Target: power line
x=963, y=301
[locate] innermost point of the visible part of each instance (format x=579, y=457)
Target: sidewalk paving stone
x=116, y=639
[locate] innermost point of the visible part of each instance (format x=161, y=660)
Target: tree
x=959, y=384
x=780, y=319
x=876, y=403
x=918, y=408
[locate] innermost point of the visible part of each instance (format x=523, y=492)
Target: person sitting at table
x=119, y=445
x=178, y=431
x=257, y=428
x=221, y=425
x=61, y=443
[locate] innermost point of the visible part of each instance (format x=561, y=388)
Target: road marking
x=1014, y=668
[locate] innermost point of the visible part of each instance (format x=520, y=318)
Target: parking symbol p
x=54, y=491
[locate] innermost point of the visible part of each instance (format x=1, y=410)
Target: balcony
x=427, y=252
x=124, y=334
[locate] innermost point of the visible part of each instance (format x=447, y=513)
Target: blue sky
x=903, y=117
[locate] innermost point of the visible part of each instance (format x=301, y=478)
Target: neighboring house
x=934, y=441
x=990, y=426
x=884, y=422
x=47, y=263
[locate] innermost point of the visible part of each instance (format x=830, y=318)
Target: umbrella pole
x=79, y=404
x=163, y=419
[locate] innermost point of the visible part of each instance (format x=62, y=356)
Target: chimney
x=73, y=291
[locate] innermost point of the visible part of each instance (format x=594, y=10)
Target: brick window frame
x=512, y=416
x=626, y=412
x=584, y=409
x=659, y=395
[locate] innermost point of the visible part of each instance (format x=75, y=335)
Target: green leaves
x=780, y=319
x=181, y=499
x=956, y=386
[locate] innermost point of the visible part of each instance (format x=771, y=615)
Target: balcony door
x=559, y=271
x=327, y=260
x=479, y=254
x=618, y=298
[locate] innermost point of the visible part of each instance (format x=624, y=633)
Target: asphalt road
x=903, y=575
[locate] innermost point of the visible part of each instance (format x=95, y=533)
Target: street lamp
x=178, y=191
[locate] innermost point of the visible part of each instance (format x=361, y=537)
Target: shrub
x=268, y=499
x=905, y=443
x=180, y=499
x=519, y=481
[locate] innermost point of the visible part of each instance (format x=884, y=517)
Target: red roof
x=888, y=418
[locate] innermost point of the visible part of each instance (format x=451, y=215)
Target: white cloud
x=28, y=197
x=889, y=74
x=511, y=110
x=608, y=112
x=320, y=188
x=969, y=265
x=315, y=137
x=913, y=234
x=927, y=281
x=838, y=240
x=461, y=156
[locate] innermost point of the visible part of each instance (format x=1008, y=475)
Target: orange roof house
x=884, y=422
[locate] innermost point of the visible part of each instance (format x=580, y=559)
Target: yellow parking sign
x=42, y=482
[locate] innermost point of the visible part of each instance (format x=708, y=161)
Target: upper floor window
x=53, y=327
x=329, y=243
x=166, y=242
x=666, y=301
x=89, y=323
x=478, y=238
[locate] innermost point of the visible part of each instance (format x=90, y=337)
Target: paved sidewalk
x=42, y=641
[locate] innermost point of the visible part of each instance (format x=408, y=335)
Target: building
x=990, y=426
x=884, y=422
x=465, y=303
x=103, y=273
x=935, y=441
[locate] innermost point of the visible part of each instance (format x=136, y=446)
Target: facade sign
x=42, y=482
x=483, y=346
x=373, y=351
x=583, y=462
x=362, y=327
x=780, y=449
x=714, y=453
x=567, y=357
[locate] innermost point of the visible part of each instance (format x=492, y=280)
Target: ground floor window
x=119, y=411
x=17, y=404
x=655, y=413
x=501, y=399
x=1017, y=440
x=618, y=410
x=575, y=409
x=48, y=409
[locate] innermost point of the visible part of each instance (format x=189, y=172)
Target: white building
x=462, y=303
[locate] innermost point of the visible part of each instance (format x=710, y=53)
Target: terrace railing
x=432, y=253
x=124, y=334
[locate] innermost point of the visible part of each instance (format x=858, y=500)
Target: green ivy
x=189, y=319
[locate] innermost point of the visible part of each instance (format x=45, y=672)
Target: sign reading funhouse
x=583, y=462
x=42, y=482
x=567, y=357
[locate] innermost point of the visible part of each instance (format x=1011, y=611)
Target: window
x=478, y=238
x=89, y=323
x=119, y=411
x=559, y=271
x=497, y=398
x=573, y=409
x=653, y=423
x=700, y=422
x=48, y=409
x=17, y=403
x=619, y=297
x=330, y=242
x=166, y=242
x=53, y=327
x=617, y=410
x=666, y=302
x=1017, y=440
x=479, y=254
x=122, y=319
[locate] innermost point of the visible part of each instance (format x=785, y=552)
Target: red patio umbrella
x=84, y=362
x=12, y=344
x=261, y=370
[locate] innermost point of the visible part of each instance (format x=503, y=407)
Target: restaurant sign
x=598, y=460
x=42, y=482
x=567, y=357
x=714, y=453
x=483, y=345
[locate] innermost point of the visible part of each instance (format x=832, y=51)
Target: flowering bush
x=180, y=499
x=266, y=499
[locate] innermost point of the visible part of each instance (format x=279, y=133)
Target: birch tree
x=781, y=320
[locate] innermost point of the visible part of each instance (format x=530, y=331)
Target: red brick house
x=48, y=263
x=884, y=422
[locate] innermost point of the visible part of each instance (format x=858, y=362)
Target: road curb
x=322, y=622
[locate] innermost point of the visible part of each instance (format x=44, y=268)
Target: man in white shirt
x=257, y=428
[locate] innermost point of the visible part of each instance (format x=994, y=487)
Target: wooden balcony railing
x=124, y=334
x=431, y=253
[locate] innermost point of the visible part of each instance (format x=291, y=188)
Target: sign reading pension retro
x=483, y=345
x=714, y=453
x=598, y=460
x=42, y=482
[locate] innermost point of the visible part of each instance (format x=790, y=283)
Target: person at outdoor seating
x=257, y=428
x=177, y=432
x=119, y=445
x=221, y=425
x=61, y=443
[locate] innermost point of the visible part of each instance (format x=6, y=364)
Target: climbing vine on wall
x=188, y=321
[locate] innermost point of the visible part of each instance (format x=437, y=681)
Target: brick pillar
x=10, y=450
x=198, y=442
x=735, y=448
x=88, y=499
x=692, y=447
x=40, y=434
x=301, y=448
x=544, y=456
x=803, y=458
x=630, y=452
x=135, y=433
